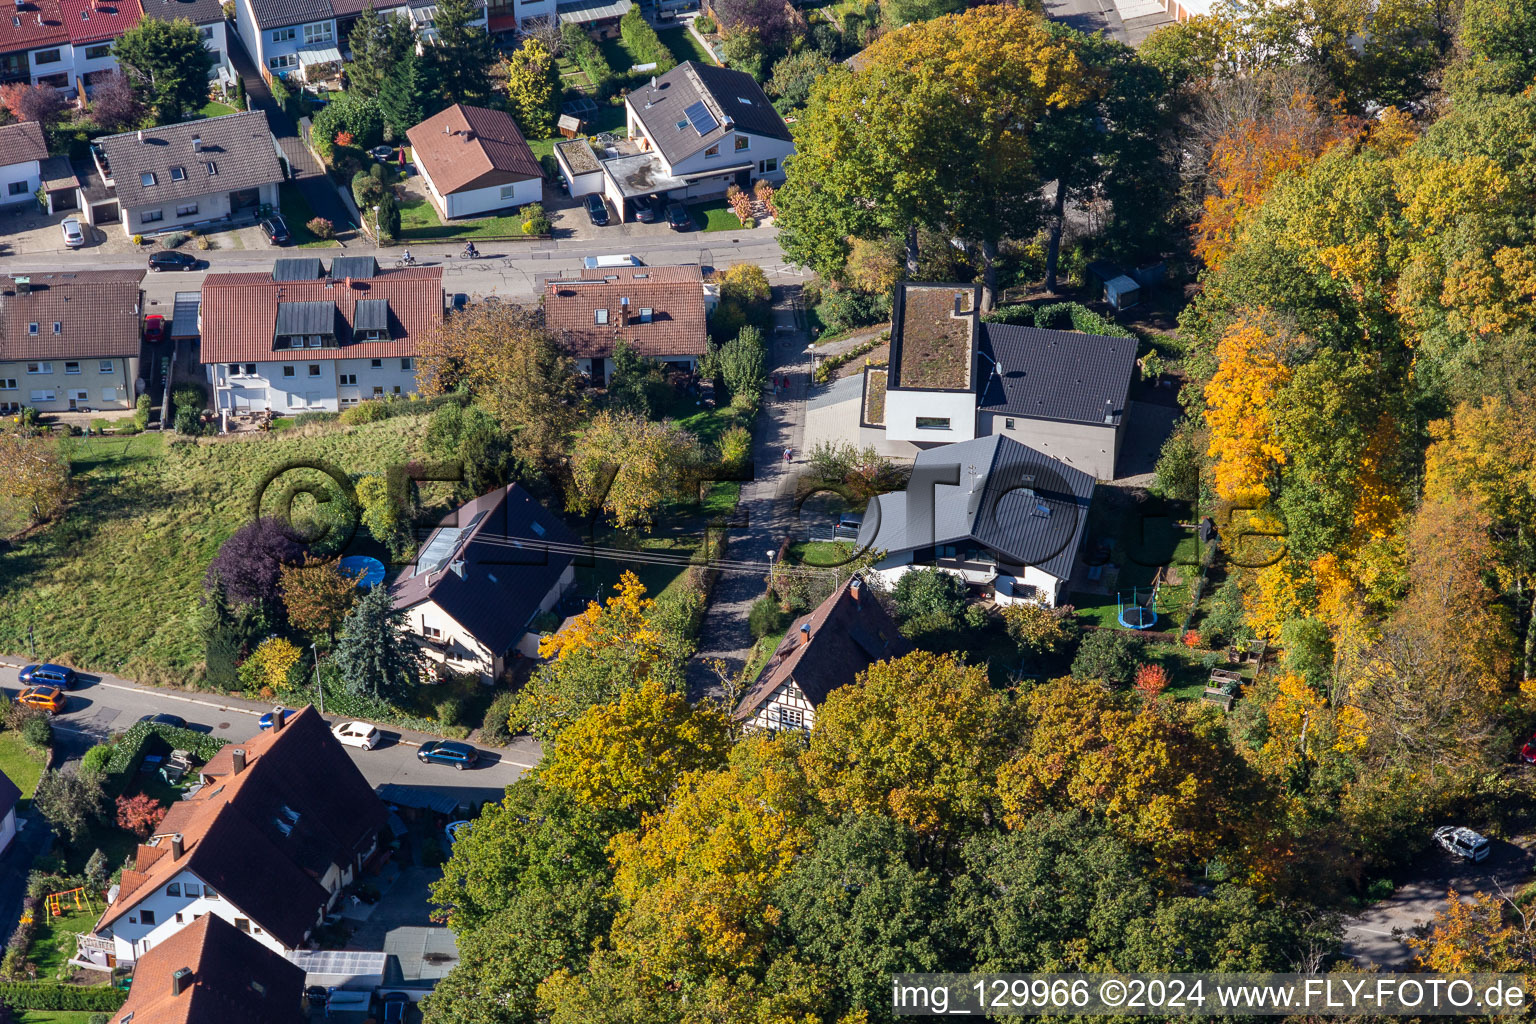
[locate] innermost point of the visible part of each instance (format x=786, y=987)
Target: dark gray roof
x=184, y=320
x=1056, y=375
x=10, y=796
x=1020, y=503
x=356, y=267
x=198, y=12
x=297, y=268
x=306, y=318
x=730, y=98
x=371, y=315
x=487, y=566
x=239, y=146
x=275, y=13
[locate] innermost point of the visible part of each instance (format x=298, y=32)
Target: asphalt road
x=1377, y=935
x=102, y=705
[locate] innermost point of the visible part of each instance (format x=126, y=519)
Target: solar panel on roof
x=703, y=121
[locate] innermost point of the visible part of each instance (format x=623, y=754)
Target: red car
x=1528, y=752
x=154, y=328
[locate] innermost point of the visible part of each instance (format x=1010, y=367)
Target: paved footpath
x=766, y=506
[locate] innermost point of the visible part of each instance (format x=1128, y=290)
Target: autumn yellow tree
x=270, y=666
x=1483, y=933
x=36, y=481
x=1239, y=411
x=628, y=467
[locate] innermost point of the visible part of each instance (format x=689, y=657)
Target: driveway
x=1376, y=935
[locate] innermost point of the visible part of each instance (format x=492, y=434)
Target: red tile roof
x=97, y=21
x=240, y=313
x=675, y=296
x=97, y=312
x=235, y=980
x=464, y=148
x=21, y=142
x=35, y=23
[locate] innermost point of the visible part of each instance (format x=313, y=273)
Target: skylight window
x=213, y=168
x=744, y=101
x=178, y=174
x=31, y=328
x=600, y=316
x=147, y=179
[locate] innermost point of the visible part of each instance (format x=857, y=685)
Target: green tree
x=793, y=76
x=71, y=803
x=373, y=654
x=629, y=467
x=379, y=45
x=386, y=515
x=1108, y=655
x=741, y=366
x=471, y=437
x=857, y=906
x=904, y=12
x=743, y=51
x=463, y=55
x=929, y=601
x=638, y=383
x=532, y=86
x=387, y=217
x=1496, y=35
x=404, y=93
x=168, y=63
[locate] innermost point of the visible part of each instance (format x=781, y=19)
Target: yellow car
x=49, y=698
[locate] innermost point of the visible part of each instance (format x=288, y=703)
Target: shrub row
x=825, y=367
x=40, y=995
x=1058, y=316
x=586, y=55
x=643, y=44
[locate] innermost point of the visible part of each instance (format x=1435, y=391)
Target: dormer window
x=178, y=174
x=147, y=179
x=600, y=316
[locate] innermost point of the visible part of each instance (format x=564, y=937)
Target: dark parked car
x=460, y=755
x=647, y=209
x=679, y=217
x=597, y=210
x=394, y=1007
x=276, y=230
x=173, y=260
x=174, y=721
x=48, y=675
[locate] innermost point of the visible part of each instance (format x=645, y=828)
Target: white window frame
x=187, y=210
x=8, y=384
x=283, y=35
x=151, y=216
x=742, y=143
x=44, y=395
x=40, y=368
x=407, y=363
x=104, y=366
x=109, y=394
x=768, y=166
x=74, y=364
x=319, y=32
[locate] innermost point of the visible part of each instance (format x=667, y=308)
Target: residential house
x=509, y=17
x=303, y=37
x=299, y=339
x=92, y=25
x=661, y=312
x=10, y=799
x=999, y=514
x=70, y=341
x=952, y=378
x=830, y=646
x=34, y=44
x=693, y=132
x=281, y=825
x=474, y=161
x=23, y=150
x=215, y=171
x=212, y=973
x=483, y=576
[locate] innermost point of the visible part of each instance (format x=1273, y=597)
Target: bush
x=349, y=114
x=767, y=618
x=188, y=421
x=95, y=760
x=846, y=309
x=1107, y=655
x=705, y=24
x=366, y=190
x=1151, y=680
x=172, y=240
x=735, y=448
x=131, y=747
x=142, y=410
x=449, y=711
x=584, y=53
x=371, y=411
x=930, y=592
x=42, y=995
x=495, y=728
x=535, y=220
x=321, y=228
x=37, y=731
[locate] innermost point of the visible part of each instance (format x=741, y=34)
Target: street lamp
x=376, y=225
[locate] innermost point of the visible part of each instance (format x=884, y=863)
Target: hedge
x=643, y=44
x=584, y=53
x=43, y=995
x=1058, y=316
x=130, y=749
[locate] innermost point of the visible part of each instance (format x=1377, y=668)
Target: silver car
x=74, y=235
x=1462, y=842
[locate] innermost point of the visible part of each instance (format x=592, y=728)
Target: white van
x=604, y=262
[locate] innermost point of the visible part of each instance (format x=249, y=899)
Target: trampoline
x=369, y=571
x=1136, y=614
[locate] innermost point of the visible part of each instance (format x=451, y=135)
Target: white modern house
x=953, y=377
x=474, y=161
x=482, y=578
x=285, y=37
x=23, y=150
x=259, y=845
x=1000, y=515
x=692, y=133
x=301, y=338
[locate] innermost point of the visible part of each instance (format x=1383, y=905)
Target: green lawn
x=762, y=653
x=54, y=1017
x=706, y=424
x=597, y=575
x=419, y=222
x=827, y=553
x=54, y=942
x=213, y=108
x=21, y=764
x=298, y=214
x=684, y=46
x=116, y=586
x=715, y=216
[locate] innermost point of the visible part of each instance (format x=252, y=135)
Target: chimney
x=1109, y=411
x=181, y=980
x=177, y=849
x=805, y=631
x=959, y=303
x=447, y=130
x=238, y=754
x=457, y=567
x=141, y=134
x=197, y=143
x=347, y=283
x=624, y=312
x=854, y=586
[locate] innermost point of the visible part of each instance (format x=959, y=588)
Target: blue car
x=48, y=675
x=460, y=755
x=266, y=720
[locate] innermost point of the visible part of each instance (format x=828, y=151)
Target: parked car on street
x=848, y=526
x=356, y=734
x=170, y=259
x=597, y=210
x=74, y=235
x=276, y=230
x=174, y=721
x=266, y=721
x=49, y=698
x=154, y=328
x=48, y=674
x=1462, y=842
x=679, y=217
x=460, y=755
